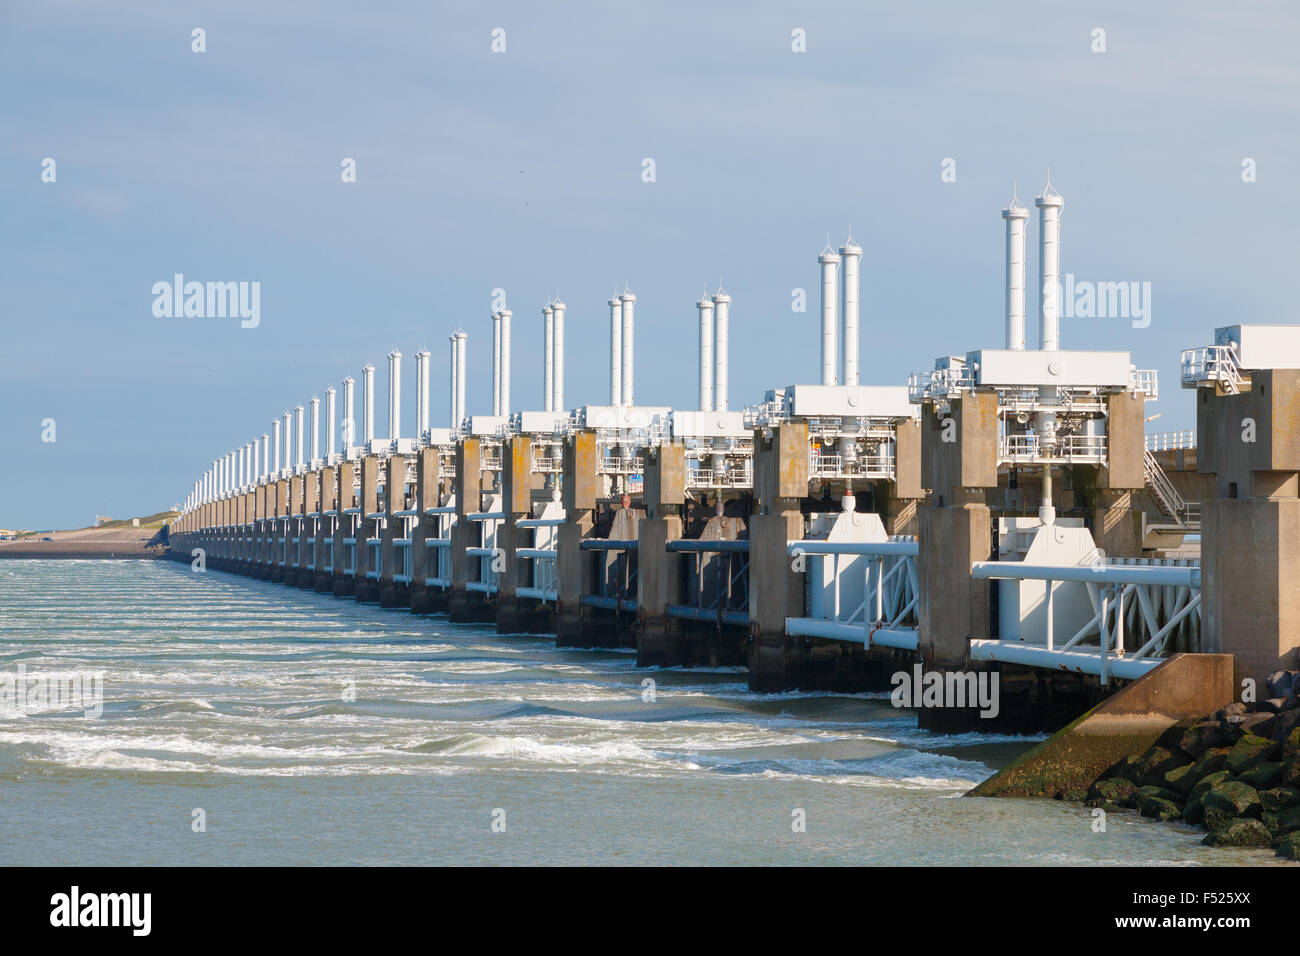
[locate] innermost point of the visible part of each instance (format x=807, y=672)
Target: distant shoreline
x=87, y=543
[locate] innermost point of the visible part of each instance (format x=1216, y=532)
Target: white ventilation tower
x=367, y=405
x=462, y=377
x=349, y=420
x=329, y=424
x=548, y=359
x=830, y=263
x=453, y=380
x=721, y=331
x=557, y=361
x=394, y=395
x=505, y=361
x=1049, y=269
x=299, y=412
x=421, y=393
x=851, y=253
x=629, y=336
x=1017, y=218
x=496, y=363
x=266, y=456
x=1049, y=337
x=315, y=428
x=705, y=306
x=286, y=431
x=257, y=462
x=616, y=351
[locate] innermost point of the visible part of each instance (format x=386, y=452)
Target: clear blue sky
x=522, y=170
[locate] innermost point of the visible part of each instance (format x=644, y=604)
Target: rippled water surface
x=314, y=730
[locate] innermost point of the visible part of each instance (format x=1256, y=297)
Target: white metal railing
x=1166, y=495
x=402, y=560
x=939, y=383
x=877, y=465
x=489, y=555
x=1146, y=381
x=621, y=465
x=1212, y=363
x=547, y=464
x=886, y=613
x=737, y=474
x=542, y=558
x=1161, y=599
x=437, y=544
x=1028, y=448
x=1166, y=441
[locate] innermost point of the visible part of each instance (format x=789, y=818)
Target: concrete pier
x=1250, y=530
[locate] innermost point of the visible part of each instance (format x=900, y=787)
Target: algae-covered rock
x=1229, y=801
x=1194, y=811
x=1181, y=779
x=1262, y=776
x=1127, y=769
x=1285, y=730
x=1161, y=809
x=1279, y=798
x=1207, y=783
x=1289, y=847
x=1258, y=724
x=1148, y=791
x=1117, y=791
x=1235, y=709
x=1172, y=737
x=1158, y=761
x=1240, y=833
x=1291, y=744
x=1291, y=771
x=1202, y=736
x=1248, y=751
x=1288, y=820
x=1211, y=761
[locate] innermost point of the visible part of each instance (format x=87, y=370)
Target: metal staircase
x=1166, y=495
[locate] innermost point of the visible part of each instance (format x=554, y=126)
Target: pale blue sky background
x=522, y=170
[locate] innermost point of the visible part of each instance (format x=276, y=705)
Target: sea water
x=244, y=722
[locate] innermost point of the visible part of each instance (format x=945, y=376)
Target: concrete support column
x=576, y=578
x=426, y=496
x=343, y=584
x=959, y=459
x=1250, y=530
x=281, y=530
x=307, y=539
x=366, y=588
x=776, y=661
x=250, y=533
x=658, y=635
x=463, y=604
x=953, y=607
x=517, y=502
x=292, y=568
x=322, y=581
x=393, y=593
